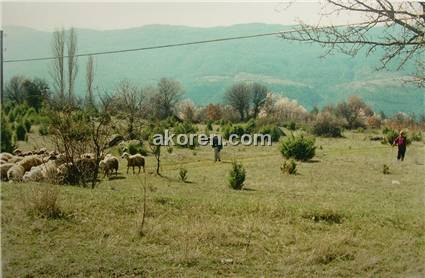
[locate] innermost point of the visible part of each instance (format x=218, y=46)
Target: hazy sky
x=115, y=15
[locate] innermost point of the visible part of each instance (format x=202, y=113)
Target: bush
x=183, y=174
x=236, y=129
x=136, y=148
x=186, y=128
x=389, y=135
x=28, y=124
x=237, y=176
x=327, y=125
x=273, y=130
x=43, y=130
x=6, y=136
x=250, y=126
x=209, y=126
x=21, y=132
x=289, y=167
x=44, y=201
x=292, y=125
x=298, y=147
x=416, y=136
x=386, y=169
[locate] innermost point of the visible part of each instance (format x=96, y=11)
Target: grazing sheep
x=17, y=152
x=5, y=156
x=34, y=174
x=3, y=161
x=15, y=159
x=28, y=153
x=3, y=170
x=108, y=165
x=41, y=151
x=15, y=173
x=136, y=160
x=29, y=162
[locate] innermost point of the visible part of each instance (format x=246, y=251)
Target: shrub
x=43, y=130
x=237, y=176
x=390, y=135
x=209, y=126
x=21, y=132
x=289, y=167
x=386, y=169
x=170, y=149
x=416, y=136
x=28, y=124
x=327, y=125
x=186, y=128
x=236, y=129
x=44, y=201
x=273, y=130
x=183, y=174
x=298, y=147
x=6, y=136
x=250, y=126
x=292, y=125
x=136, y=148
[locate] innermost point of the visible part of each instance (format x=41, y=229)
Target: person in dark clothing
x=217, y=146
x=401, y=143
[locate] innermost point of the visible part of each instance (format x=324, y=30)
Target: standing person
x=401, y=143
x=217, y=146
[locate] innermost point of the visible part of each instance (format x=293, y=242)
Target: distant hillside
x=292, y=69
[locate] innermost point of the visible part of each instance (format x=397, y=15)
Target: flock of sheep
x=37, y=166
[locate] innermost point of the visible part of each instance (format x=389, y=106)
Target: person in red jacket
x=401, y=143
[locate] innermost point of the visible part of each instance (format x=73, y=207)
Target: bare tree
x=169, y=93
x=89, y=101
x=129, y=102
x=58, y=69
x=14, y=90
x=72, y=64
x=403, y=39
x=259, y=95
x=100, y=131
x=239, y=97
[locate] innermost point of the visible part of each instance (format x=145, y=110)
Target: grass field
x=340, y=216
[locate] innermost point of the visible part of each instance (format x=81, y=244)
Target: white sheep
x=15, y=159
x=34, y=174
x=6, y=156
x=109, y=164
x=3, y=170
x=136, y=160
x=15, y=173
x=29, y=162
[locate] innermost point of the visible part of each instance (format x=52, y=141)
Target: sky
x=48, y=16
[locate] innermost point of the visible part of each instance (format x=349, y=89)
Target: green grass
x=339, y=216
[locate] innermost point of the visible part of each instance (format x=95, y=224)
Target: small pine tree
x=237, y=176
x=183, y=174
x=6, y=136
x=298, y=147
x=21, y=132
x=289, y=167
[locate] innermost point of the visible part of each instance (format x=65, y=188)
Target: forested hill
x=206, y=70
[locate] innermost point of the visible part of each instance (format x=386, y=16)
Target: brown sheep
x=15, y=173
x=108, y=165
x=3, y=170
x=29, y=162
x=136, y=160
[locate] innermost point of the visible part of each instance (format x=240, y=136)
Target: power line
x=149, y=47
x=186, y=43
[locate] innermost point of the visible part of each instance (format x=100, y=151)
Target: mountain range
x=293, y=69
